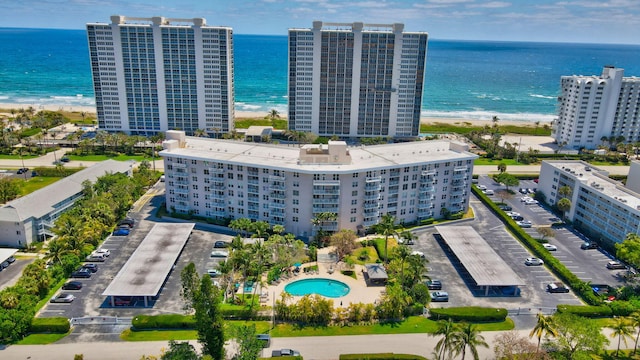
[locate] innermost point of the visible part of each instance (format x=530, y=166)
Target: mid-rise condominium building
x=291, y=185
x=156, y=74
x=594, y=107
x=356, y=80
x=604, y=209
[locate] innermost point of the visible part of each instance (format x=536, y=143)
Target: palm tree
x=447, y=329
x=319, y=221
x=565, y=191
x=273, y=114
x=241, y=225
x=468, y=335
x=635, y=321
x=563, y=205
x=387, y=228
x=199, y=133
x=622, y=329
x=544, y=326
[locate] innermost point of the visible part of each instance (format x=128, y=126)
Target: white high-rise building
x=290, y=185
x=593, y=107
x=155, y=74
x=356, y=80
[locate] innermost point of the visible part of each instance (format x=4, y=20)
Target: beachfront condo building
x=356, y=80
x=291, y=185
x=156, y=74
x=604, y=209
x=598, y=110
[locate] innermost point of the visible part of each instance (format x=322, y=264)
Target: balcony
x=393, y=191
x=215, y=170
x=371, y=212
x=277, y=187
x=329, y=200
x=375, y=179
x=179, y=165
x=424, y=205
x=427, y=188
x=277, y=212
x=217, y=203
x=394, y=183
x=277, y=195
x=217, y=195
x=181, y=182
x=278, y=205
x=323, y=191
x=429, y=173
x=370, y=221
x=370, y=205
x=182, y=208
x=324, y=208
x=374, y=186
x=218, y=187
x=372, y=197
x=218, y=213
x=181, y=190
x=277, y=178
x=334, y=183
x=253, y=182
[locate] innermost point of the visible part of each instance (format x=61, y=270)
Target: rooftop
x=147, y=268
x=598, y=180
x=287, y=157
x=483, y=264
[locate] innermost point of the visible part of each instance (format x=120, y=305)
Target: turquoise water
x=325, y=287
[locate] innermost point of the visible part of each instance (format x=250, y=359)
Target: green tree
x=507, y=180
x=577, y=337
x=180, y=351
x=564, y=205
x=543, y=327
x=565, y=191
x=467, y=335
x=259, y=229
x=387, y=228
x=621, y=327
x=629, y=250
x=634, y=318
x=319, y=221
x=444, y=346
x=249, y=346
x=9, y=189
x=394, y=302
x=502, y=167
x=242, y=225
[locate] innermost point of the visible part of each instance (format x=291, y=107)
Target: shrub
x=622, y=308
x=470, y=314
x=586, y=311
x=428, y=221
x=173, y=321
x=55, y=325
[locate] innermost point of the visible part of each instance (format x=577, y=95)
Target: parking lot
x=90, y=302
x=588, y=265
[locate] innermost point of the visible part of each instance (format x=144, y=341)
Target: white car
x=525, y=198
x=524, y=223
x=482, y=187
x=533, y=261
x=419, y=253
x=512, y=213
x=550, y=247
x=531, y=202
x=213, y=272
x=104, y=252
x=219, y=253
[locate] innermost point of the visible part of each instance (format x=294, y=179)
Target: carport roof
x=147, y=268
x=376, y=271
x=483, y=264
x=6, y=253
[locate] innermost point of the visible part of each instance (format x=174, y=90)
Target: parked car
x=615, y=265
x=81, y=273
x=517, y=218
x=65, y=159
x=123, y=301
x=418, y=253
x=11, y=259
x=550, y=247
x=121, y=232
x=72, y=285
x=557, y=287
x=439, y=296
x=130, y=222
x=434, y=284
x=91, y=266
x=95, y=258
x=532, y=261
x=504, y=207
x=103, y=252
x=284, y=352
x=220, y=244
x=265, y=339
x=4, y=264
x=531, y=202
x=588, y=246
x=482, y=187
x=219, y=253
x=524, y=223
x=489, y=192
x=512, y=213
x=22, y=171
x=213, y=272
x=63, y=298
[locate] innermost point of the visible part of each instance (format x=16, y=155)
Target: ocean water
x=464, y=79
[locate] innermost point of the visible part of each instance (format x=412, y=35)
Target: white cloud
x=491, y=5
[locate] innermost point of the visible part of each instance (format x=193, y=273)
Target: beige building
x=291, y=185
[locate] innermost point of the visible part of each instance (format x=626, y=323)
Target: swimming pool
x=325, y=287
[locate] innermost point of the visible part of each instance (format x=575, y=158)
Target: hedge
x=586, y=311
x=470, y=314
x=581, y=288
x=171, y=321
x=380, y=356
x=55, y=325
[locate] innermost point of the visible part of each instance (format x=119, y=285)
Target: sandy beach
x=254, y=114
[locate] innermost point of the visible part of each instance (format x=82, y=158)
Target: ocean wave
x=542, y=96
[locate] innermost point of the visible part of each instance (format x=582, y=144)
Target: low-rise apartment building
x=291, y=185
x=603, y=208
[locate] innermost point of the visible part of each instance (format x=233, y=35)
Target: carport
x=148, y=267
x=484, y=265
x=6, y=254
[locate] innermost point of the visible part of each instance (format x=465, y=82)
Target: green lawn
x=412, y=325
x=485, y=161
x=165, y=335
x=41, y=339
x=36, y=183
x=371, y=255
x=17, y=157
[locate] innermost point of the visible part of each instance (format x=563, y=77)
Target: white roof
x=483, y=264
x=43, y=201
x=147, y=268
x=286, y=157
x=6, y=253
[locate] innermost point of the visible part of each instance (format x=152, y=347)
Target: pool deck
x=359, y=291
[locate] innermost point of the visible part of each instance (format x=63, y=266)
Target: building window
x=354, y=202
x=296, y=192
x=354, y=193
x=353, y=219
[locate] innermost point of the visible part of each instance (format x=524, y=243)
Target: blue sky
x=591, y=21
